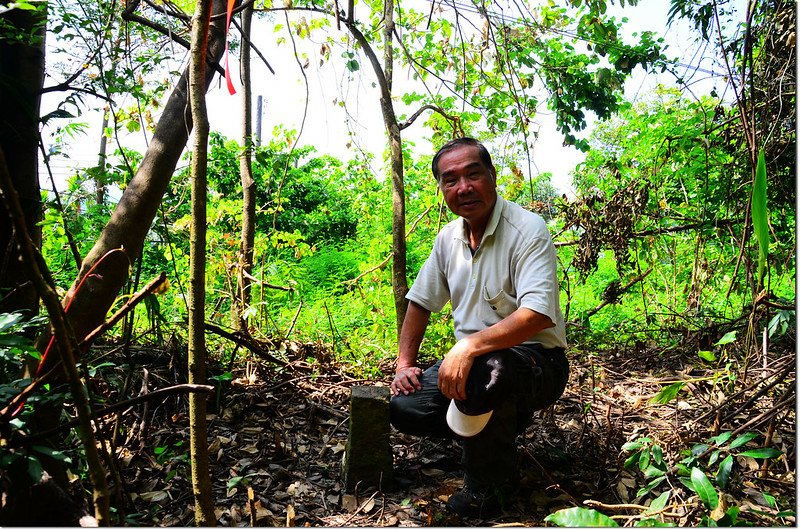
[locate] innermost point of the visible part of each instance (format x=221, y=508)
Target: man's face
x=468, y=186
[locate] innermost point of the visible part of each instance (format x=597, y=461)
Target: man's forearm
x=411, y=334
x=515, y=329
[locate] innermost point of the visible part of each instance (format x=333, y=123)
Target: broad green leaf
x=235, y=481
x=632, y=446
x=721, y=438
x=7, y=320
x=726, y=339
x=658, y=503
x=580, y=517
x=770, y=500
x=653, y=471
x=34, y=468
x=743, y=439
x=658, y=454
x=760, y=214
x=707, y=355
x=631, y=460
x=52, y=453
x=668, y=393
x=724, y=471
x=704, y=489
x=644, y=460
x=763, y=452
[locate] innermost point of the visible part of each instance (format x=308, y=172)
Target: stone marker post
x=368, y=456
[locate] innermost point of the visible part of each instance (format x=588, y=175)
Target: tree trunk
x=133, y=215
x=399, y=279
x=384, y=76
x=201, y=480
x=21, y=79
x=100, y=178
x=246, y=170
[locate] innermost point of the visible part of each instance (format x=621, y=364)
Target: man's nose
x=464, y=186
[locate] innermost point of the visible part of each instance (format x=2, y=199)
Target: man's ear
x=493, y=171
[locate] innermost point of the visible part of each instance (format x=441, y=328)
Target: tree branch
x=176, y=389
x=130, y=16
x=455, y=120
x=67, y=343
x=244, y=340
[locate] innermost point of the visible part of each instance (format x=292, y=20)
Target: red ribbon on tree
x=228, y=79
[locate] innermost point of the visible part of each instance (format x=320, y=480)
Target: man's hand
x=454, y=370
x=406, y=380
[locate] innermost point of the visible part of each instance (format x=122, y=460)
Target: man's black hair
x=483, y=153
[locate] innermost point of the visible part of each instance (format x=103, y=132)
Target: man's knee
x=399, y=412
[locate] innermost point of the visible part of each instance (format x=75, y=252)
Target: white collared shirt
x=514, y=266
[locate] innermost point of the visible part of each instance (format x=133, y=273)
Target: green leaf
x=235, y=481
x=763, y=452
x=58, y=113
x=721, y=438
x=726, y=339
x=34, y=468
x=658, y=454
x=770, y=500
x=8, y=320
x=743, y=439
x=668, y=393
x=704, y=489
x=631, y=460
x=52, y=453
x=724, y=471
x=632, y=446
x=760, y=214
x=580, y=517
x=653, y=471
x=644, y=460
x=707, y=355
x=658, y=503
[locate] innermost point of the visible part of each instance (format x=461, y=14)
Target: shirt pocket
x=502, y=304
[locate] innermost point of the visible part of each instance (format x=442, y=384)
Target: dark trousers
x=490, y=457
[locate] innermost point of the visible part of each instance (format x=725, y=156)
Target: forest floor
x=277, y=436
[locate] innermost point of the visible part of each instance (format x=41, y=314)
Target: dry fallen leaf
x=154, y=496
x=290, y=515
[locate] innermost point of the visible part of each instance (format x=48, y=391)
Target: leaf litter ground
x=277, y=436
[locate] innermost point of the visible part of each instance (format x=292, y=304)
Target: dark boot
x=481, y=502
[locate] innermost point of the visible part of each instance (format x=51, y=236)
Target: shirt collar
x=491, y=226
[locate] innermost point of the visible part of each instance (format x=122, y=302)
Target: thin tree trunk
x=246, y=170
x=201, y=480
x=384, y=76
x=22, y=67
x=399, y=279
x=100, y=178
